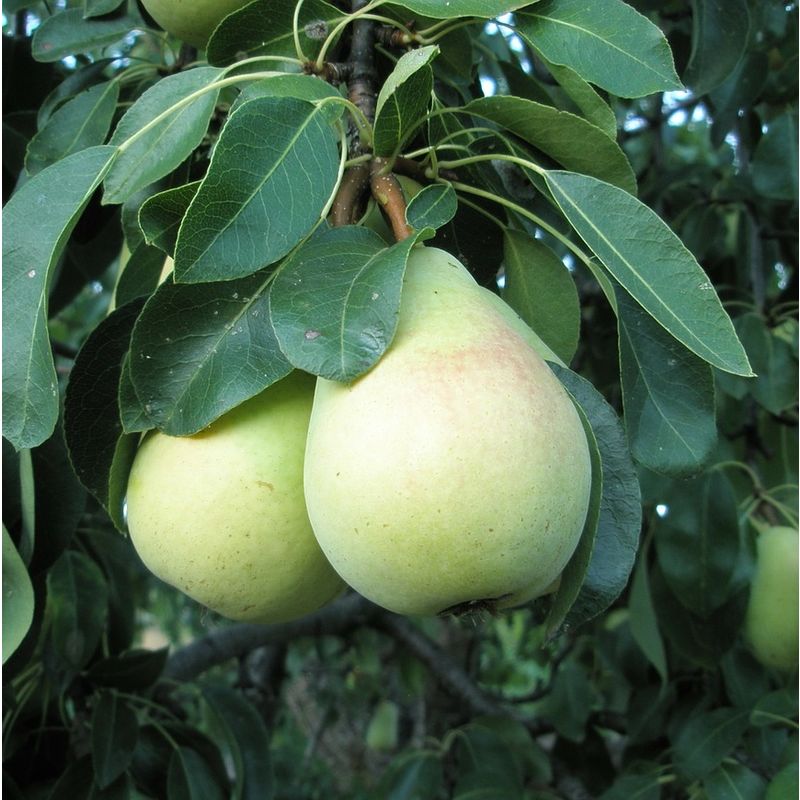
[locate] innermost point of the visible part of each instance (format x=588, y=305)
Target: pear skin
x=193, y=21
x=455, y=474
x=221, y=516
x=771, y=624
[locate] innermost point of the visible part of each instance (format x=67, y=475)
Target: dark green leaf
x=67, y=32
x=412, y=776
x=114, y=732
x=32, y=243
x=247, y=740
x=619, y=523
x=141, y=275
x=198, y=350
x=574, y=573
x=654, y=266
x=77, y=607
x=101, y=453
x=644, y=622
x=17, y=598
x=160, y=216
x=131, y=409
x=73, y=84
x=606, y=42
x=719, y=36
x=131, y=670
x=168, y=142
x=454, y=9
x=775, y=165
x=272, y=174
x=734, y=781
x=633, y=787
x=698, y=542
x=485, y=763
x=60, y=500
x=96, y=8
x=705, y=739
x=542, y=291
x=433, y=207
x=784, y=784
x=334, y=303
x=778, y=707
x=81, y=122
x=570, y=701
x=189, y=777
x=303, y=87
x=403, y=100
x=77, y=780
x=568, y=139
x=266, y=28
x=587, y=100
x=668, y=395
x=745, y=679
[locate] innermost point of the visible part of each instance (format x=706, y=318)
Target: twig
x=347, y=204
x=236, y=640
x=388, y=193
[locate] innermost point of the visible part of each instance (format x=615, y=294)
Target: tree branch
x=233, y=641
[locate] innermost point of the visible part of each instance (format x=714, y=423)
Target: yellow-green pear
x=455, y=474
x=193, y=21
x=771, y=623
x=221, y=516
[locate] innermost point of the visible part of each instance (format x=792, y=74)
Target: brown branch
x=234, y=641
x=364, y=77
x=348, y=203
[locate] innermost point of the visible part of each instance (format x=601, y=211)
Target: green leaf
x=542, y=291
x=33, y=242
x=410, y=776
x=775, y=164
x=606, y=42
x=485, y=763
x=160, y=216
x=77, y=607
x=704, y=740
x=272, y=174
x=784, y=784
x=247, y=741
x=132, y=670
x=101, y=453
x=619, y=523
x=775, y=708
x=170, y=141
x=114, y=732
x=77, y=780
x=668, y=395
x=131, y=409
x=698, y=542
x=567, y=138
x=334, y=302
x=633, y=787
x=97, y=8
x=589, y=102
x=433, y=207
x=141, y=274
x=454, y=9
x=266, y=28
x=773, y=361
x=198, y=350
x=189, y=777
x=404, y=100
x=574, y=573
x=719, y=37
x=652, y=265
x=67, y=33
x=73, y=84
x=569, y=703
x=644, y=622
x=303, y=87
x=81, y=122
x=18, y=598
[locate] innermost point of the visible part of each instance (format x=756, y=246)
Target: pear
x=221, y=516
x=455, y=475
x=193, y=21
x=771, y=624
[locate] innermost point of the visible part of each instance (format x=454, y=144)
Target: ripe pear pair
x=455, y=474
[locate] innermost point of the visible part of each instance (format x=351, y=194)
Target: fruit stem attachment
x=388, y=194
x=346, y=205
